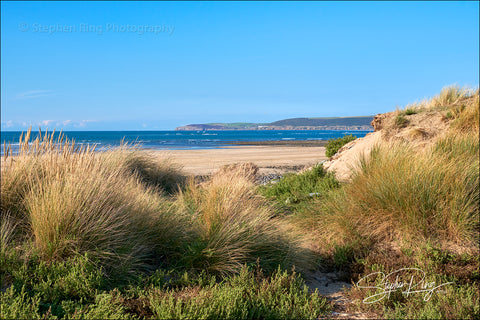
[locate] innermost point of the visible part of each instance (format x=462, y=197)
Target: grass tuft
x=234, y=226
x=401, y=121
x=410, y=111
x=162, y=174
x=399, y=193
x=70, y=201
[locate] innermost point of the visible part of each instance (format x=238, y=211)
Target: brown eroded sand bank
x=270, y=159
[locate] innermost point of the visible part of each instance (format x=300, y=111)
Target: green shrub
x=18, y=305
x=55, y=289
x=243, y=296
x=105, y=307
x=73, y=279
x=294, y=188
x=455, y=302
x=334, y=145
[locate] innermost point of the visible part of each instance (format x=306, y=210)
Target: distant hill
x=333, y=123
x=343, y=121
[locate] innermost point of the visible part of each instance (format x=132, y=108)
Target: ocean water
x=175, y=140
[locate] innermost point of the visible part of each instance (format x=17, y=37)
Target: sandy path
x=331, y=286
x=270, y=159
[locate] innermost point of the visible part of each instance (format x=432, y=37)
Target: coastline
x=271, y=159
x=300, y=143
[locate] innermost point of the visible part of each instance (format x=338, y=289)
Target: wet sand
x=270, y=159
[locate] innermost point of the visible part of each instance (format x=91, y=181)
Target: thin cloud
x=83, y=123
x=52, y=124
x=8, y=124
x=46, y=122
x=34, y=94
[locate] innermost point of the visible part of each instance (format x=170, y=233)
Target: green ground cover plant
x=334, y=145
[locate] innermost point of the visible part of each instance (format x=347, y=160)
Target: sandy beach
x=270, y=159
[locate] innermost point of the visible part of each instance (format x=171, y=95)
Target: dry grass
x=400, y=193
x=71, y=200
x=247, y=170
x=453, y=107
x=466, y=114
x=7, y=232
x=417, y=133
x=235, y=226
x=161, y=174
x=449, y=96
x=452, y=95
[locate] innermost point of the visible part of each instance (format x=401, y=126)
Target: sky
x=159, y=65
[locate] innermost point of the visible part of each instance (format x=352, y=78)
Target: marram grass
x=404, y=193
x=130, y=211
x=234, y=226
x=70, y=201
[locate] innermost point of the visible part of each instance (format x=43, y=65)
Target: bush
x=18, y=305
x=105, y=307
x=293, y=188
x=334, y=145
x=46, y=287
x=243, y=296
x=74, y=289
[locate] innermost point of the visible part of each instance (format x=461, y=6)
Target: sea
x=178, y=140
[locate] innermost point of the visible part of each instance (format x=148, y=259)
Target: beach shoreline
x=271, y=159
x=300, y=143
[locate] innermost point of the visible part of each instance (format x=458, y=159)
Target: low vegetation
x=120, y=234
x=77, y=288
x=335, y=144
x=407, y=209
x=410, y=111
x=117, y=234
x=233, y=226
x=66, y=202
x=449, y=98
x=402, y=194
x=401, y=121
x=297, y=188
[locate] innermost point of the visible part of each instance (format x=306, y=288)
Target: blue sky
x=158, y=65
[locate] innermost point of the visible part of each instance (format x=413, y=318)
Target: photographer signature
x=415, y=284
